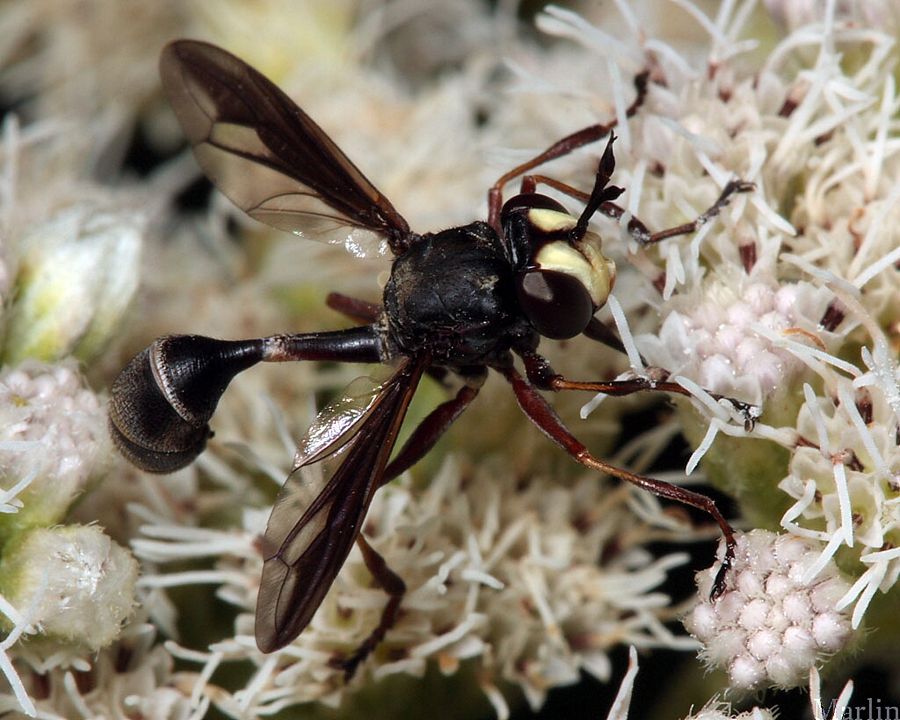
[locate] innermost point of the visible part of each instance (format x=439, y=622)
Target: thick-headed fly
x=461, y=301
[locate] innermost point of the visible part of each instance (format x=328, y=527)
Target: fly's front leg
x=639, y=231
x=636, y=227
x=541, y=375
x=546, y=419
x=561, y=147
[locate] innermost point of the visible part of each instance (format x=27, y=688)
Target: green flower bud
x=76, y=276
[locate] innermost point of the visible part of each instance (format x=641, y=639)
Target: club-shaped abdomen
x=161, y=403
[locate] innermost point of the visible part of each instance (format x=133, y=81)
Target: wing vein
x=302, y=557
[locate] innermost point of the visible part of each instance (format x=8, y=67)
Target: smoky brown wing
x=302, y=557
x=268, y=156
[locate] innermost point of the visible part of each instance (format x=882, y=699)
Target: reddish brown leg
x=561, y=147
x=530, y=183
x=353, y=308
x=429, y=432
x=542, y=376
x=636, y=228
x=367, y=312
x=393, y=585
x=419, y=444
x=542, y=415
x=733, y=186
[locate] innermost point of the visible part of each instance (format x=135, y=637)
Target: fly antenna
x=601, y=193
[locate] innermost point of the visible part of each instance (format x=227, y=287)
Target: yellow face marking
x=603, y=270
x=549, y=221
x=586, y=263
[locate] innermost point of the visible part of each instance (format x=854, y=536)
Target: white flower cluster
x=790, y=299
x=772, y=624
x=723, y=335
x=770, y=302
x=77, y=275
x=134, y=677
x=72, y=582
x=53, y=440
x=499, y=573
x=796, y=14
x=845, y=479
x=716, y=709
x=714, y=712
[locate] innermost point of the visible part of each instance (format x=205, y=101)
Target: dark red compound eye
x=556, y=303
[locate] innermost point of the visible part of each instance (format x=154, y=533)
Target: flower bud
x=76, y=275
x=777, y=637
x=73, y=582
x=53, y=434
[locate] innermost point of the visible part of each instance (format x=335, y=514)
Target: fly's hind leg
x=420, y=442
x=353, y=308
x=393, y=585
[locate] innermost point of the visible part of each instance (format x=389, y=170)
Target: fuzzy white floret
x=772, y=637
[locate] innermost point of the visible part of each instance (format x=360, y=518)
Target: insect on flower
x=461, y=301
